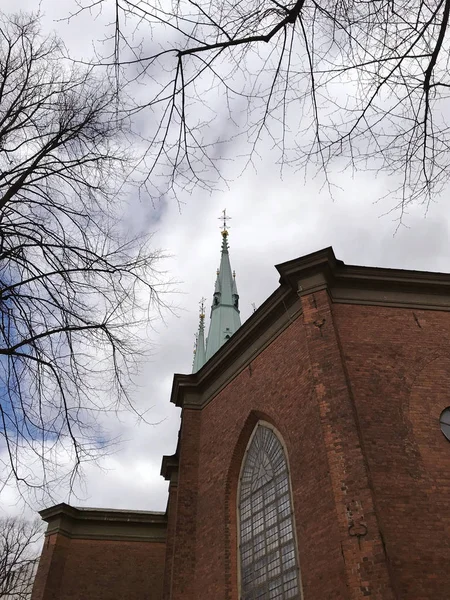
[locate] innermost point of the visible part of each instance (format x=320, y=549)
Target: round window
x=444, y=420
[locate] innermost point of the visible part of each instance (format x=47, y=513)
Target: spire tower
x=225, y=318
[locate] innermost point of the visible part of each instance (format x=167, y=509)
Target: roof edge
x=280, y=300
x=169, y=466
x=105, y=523
x=101, y=514
x=350, y=284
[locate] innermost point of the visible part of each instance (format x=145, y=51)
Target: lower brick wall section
x=51, y=568
x=101, y=570
x=398, y=361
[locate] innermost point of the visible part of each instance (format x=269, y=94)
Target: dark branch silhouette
x=19, y=551
x=332, y=84
x=74, y=286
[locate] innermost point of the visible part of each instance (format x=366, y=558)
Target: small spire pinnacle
x=224, y=218
x=199, y=350
x=202, y=308
x=194, y=350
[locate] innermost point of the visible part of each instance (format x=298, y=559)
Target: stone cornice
x=366, y=285
x=317, y=271
x=105, y=524
x=169, y=467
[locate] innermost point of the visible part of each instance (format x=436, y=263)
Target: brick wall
x=183, y=581
x=170, y=541
x=277, y=386
x=356, y=393
x=398, y=362
x=100, y=570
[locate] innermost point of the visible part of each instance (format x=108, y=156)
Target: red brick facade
x=101, y=555
x=352, y=367
x=398, y=362
x=102, y=569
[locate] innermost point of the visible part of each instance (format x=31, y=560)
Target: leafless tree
x=328, y=84
x=73, y=285
x=19, y=551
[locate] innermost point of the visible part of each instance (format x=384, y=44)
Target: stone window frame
x=281, y=544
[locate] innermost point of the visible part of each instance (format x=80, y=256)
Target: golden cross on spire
x=224, y=218
x=202, y=307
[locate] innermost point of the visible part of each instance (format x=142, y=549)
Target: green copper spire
x=225, y=319
x=199, y=352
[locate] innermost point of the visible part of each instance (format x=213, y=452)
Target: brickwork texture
x=356, y=392
x=78, y=569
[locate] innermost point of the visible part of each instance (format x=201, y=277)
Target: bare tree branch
x=19, y=554
x=361, y=84
x=75, y=288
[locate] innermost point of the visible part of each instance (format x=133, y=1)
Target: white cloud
x=273, y=220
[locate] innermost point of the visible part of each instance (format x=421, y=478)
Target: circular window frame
x=444, y=422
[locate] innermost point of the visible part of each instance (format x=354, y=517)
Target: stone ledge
x=105, y=524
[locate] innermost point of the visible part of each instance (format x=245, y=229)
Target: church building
x=313, y=458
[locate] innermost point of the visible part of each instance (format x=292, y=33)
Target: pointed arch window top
x=265, y=460
x=269, y=566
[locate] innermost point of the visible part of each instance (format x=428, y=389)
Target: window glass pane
x=446, y=430
x=269, y=568
x=445, y=422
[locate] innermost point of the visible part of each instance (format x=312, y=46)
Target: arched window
x=267, y=549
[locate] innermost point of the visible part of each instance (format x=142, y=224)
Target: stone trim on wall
x=169, y=467
x=105, y=524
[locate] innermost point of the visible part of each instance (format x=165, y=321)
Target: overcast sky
x=273, y=220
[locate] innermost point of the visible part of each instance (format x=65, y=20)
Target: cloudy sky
x=274, y=219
